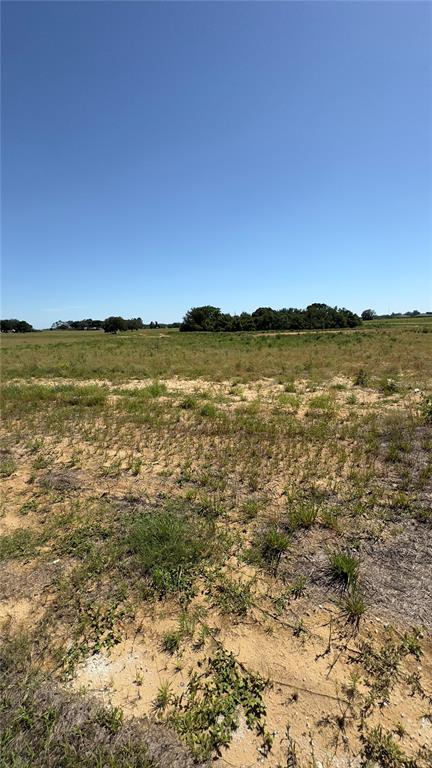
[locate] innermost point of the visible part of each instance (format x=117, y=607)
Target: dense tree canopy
x=77, y=325
x=15, y=326
x=314, y=317
x=114, y=324
x=368, y=314
x=110, y=324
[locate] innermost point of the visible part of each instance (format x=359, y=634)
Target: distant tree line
x=77, y=325
x=111, y=324
x=370, y=314
x=315, y=316
x=114, y=324
x=208, y=318
x=15, y=326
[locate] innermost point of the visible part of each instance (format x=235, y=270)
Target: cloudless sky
x=158, y=156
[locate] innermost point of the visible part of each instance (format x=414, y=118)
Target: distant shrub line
x=207, y=318
x=314, y=317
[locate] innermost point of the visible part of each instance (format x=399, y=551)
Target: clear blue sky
x=158, y=156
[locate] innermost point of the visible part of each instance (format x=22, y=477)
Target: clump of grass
x=135, y=466
x=323, y=403
x=343, y=568
x=268, y=547
x=249, y=510
x=353, y=605
x=289, y=386
x=298, y=587
x=361, y=379
x=7, y=465
x=388, y=386
x=293, y=591
x=291, y=400
x=209, y=410
x=426, y=409
x=163, y=698
x=168, y=547
x=76, y=396
x=329, y=518
x=188, y=403
x=170, y=642
x=155, y=389
x=302, y=514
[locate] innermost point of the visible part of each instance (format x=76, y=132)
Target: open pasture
x=225, y=538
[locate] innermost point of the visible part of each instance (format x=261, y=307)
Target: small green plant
x=303, y=514
x=388, y=385
x=379, y=748
x=269, y=546
x=426, y=409
x=233, y=597
x=249, y=510
x=298, y=587
x=209, y=410
x=7, y=465
x=329, y=518
x=163, y=698
x=361, y=379
x=156, y=389
x=188, y=403
x=98, y=629
x=206, y=715
x=170, y=642
x=135, y=466
x=112, y=470
x=344, y=568
x=353, y=605
x=299, y=628
x=382, y=666
x=41, y=462
x=29, y=506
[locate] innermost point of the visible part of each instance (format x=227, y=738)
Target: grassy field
x=225, y=540
x=381, y=347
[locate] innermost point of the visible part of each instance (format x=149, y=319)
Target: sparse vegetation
x=172, y=500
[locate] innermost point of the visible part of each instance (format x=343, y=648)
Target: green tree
x=204, y=318
x=368, y=314
x=114, y=324
x=15, y=326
